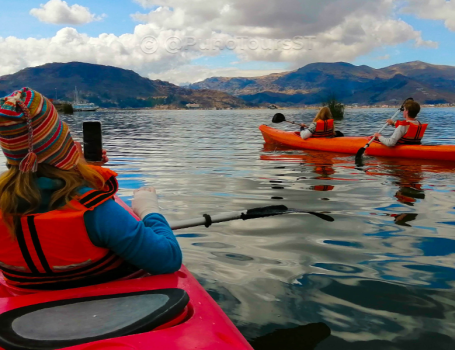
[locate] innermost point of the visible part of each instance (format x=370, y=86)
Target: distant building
x=192, y=105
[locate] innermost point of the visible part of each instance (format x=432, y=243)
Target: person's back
x=321, y=127
x=59, y=227
x=407, y=132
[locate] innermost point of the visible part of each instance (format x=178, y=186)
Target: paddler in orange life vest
x=59, y=225
x=322, y=126
x=407, y=132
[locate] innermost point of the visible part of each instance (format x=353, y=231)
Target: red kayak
x=350, y=145
x=156, y=312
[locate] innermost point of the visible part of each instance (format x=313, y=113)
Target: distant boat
x=273, y=107
x=79, y=106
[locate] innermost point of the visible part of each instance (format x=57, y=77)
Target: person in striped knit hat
x=32, y=133
x=59, y=227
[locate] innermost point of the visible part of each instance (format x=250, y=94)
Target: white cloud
x=59, y=12
x=342, y=29
x=69, y=45
x=441, y=10
x=145, y=3
x=381, y=58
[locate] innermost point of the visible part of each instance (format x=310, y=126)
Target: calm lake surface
x=381, y=276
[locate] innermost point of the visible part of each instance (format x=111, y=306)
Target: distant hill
x=111, y=87
x=311, y=84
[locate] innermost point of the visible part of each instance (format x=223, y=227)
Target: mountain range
x=111, y=87
x=427, y=83
x=310, y=85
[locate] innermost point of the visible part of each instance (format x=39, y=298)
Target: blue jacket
x=148, y=244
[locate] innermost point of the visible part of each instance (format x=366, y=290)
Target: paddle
x=360, y=152
x=207, y=220
x=279, y=118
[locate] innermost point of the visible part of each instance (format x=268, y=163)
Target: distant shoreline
x=256, y=108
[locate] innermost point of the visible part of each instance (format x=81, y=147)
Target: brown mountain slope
x=110, y=87
x=352, y=84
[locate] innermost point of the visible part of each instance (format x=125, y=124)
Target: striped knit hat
x=31, y=132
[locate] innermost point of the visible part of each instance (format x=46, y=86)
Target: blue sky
x=375, y=33
x=431, y=30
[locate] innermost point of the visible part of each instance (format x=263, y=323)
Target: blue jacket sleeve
x=149, y=244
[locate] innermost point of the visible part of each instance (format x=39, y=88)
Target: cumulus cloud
x=144, y=3
x=178, y=31
x=341, y=29
x=69, y=45
x=441, y=10
x=59, y=12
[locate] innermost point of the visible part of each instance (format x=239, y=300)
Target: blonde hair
x=16, y=187
x=323, y=114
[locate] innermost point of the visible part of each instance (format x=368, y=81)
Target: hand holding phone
x=93, y=143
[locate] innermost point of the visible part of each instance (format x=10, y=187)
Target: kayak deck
x=204, y=316
x=350, y=145
x=202, y=325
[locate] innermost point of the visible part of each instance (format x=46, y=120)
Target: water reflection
x=362, y=311
x=403, y=219
x=303, y=338
x=381, y=276
x=409, y=178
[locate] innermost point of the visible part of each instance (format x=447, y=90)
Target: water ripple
x=383, y=273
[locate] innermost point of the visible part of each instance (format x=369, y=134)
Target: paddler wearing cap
x=59, y=225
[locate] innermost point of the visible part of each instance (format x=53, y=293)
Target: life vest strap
x=37, y=244
x=122, y=271
x=94, y=198
x=24, y=250
x=79, y=271
x=49, y=275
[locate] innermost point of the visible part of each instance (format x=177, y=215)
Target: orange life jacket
x=414, y=135
x=324, y=128
x=53, y=250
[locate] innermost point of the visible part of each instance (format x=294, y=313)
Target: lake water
x=381, y=276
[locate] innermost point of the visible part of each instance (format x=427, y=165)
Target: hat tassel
x=29, y=163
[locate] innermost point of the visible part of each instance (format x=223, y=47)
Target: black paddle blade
x=279, y=210
x=322, y=216
x=278, y=118
x=265, y=212
x=359, y=155
x=359, y=164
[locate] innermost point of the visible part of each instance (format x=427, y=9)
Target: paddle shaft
x=287, y=121
x=208, y=220
x=380, y=130
x=202, y=221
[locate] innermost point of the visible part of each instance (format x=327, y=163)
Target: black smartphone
x=93, y=141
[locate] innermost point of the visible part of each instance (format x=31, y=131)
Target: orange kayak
x=351, y=145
